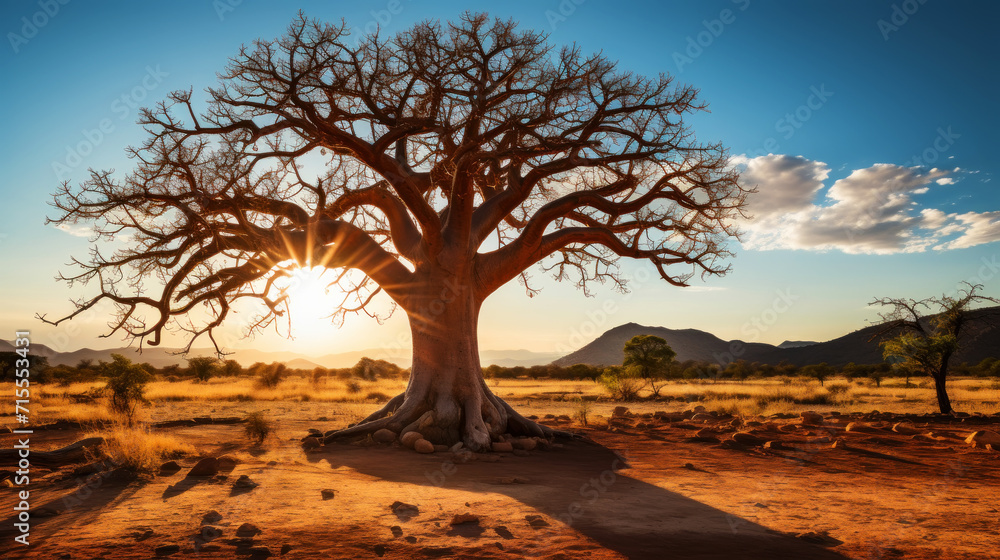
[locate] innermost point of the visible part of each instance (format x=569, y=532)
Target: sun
x=311, y=303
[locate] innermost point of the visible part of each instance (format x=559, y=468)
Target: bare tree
x=433, y=166
x=923, y=335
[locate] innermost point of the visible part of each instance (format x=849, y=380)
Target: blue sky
x=879, y=118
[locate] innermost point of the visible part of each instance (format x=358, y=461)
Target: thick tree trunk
x=944, y=403
x=447, y=399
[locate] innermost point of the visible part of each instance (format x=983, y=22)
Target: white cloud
x=75, y=230
x=873, y=210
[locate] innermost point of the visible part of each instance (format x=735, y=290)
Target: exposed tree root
x=477, y=421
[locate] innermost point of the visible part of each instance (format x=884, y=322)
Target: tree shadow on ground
x=586, y=486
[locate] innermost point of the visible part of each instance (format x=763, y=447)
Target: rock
x=455, y=448
x=379, y=550
x=502, y=447
x=699, y=408
x=244, y=482
x=404, y=511
x=211, y=517
x=702, y=417
x=328, y=494
x=905, y=428
x=774, y=444
x=311, y=443
x=991, y=447
x=536, y=521
x=811, y=417
x=397, y=531
x=788, y=428
x=315, y=433
x=227, y=464
x=838, y=444
x=248, y=530
x=423, y=446
x=209, y=532
x=527, y=444
x=209, y=466
x=384, y=436
x=461, y=518
x=744, y=438
x=620, y=412
x=259, y=552
x=169, y=468
x=983, y=438
x=285, y=549
x=410, y=438
x=689, y=466
x=167, y=550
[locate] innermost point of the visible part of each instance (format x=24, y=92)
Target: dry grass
x=139, y=449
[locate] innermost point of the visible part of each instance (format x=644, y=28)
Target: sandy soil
x=668, y=487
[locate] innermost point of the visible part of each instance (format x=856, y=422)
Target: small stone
x=744, y=438
x=379, y=550
x=536, y=521
x=208, y=466
x=328, y=494
x=384, y=436
x=314, y=432
x=404, y=511
x=397, y=531
x=259, y=552
x=983, y=438
x=811, y=417
x=526, y=444
x=773, y=444
x=285, y=549
x=689, y=466
x=620, y=412
x=456, y=447
x=211, y=517
x=169, y=468
x=248, y=530
x=167, y=550
x=502, y=447
x=209, y=532
x=244, y=482
x=461, y=518
x=423, y=446
x=410, y=438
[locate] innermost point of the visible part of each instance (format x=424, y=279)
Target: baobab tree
x=433, y=167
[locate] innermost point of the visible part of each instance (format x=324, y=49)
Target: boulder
x=384, y=436
x=423, y=446
x=410, y=438
x=744, y=438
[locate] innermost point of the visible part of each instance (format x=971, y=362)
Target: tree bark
x=447, y=399
x=944, y=403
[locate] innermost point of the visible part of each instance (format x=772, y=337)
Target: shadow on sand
x=586, y=486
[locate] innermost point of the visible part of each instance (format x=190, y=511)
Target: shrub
x=270, y=376
x=126, y=385
x=138, y=449
x=621, y=383
x=353, y=387
x=838, y=388
x=202, y=368
x=257, y=427
x=582, y=411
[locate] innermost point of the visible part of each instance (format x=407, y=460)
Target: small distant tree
x=820, y=372
x=126, y=385
x=231, y=368
x=203, y=368
x=650, y=356
x=926, y=343
x=270, y=376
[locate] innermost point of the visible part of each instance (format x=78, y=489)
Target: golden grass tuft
x=138, y=449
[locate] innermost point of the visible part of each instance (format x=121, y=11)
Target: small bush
x=126, y=385
x=377, y=396
x=138, y=449
x=582, y=411
x=270, y=376
x=621, y=384
x=838, y=388
x=353, y=387
x=257, y=427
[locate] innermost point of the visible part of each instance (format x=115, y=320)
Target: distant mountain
x=860, y=346
x=796, y=343
x=160, y=357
